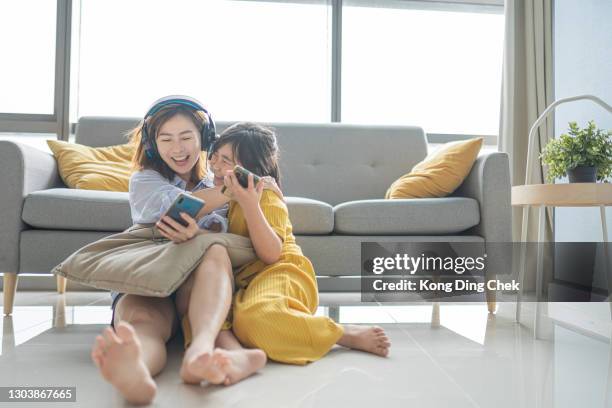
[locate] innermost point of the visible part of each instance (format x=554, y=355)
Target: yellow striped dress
x=274, y=305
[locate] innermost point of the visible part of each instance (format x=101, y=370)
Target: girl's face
x=221, y=161
x=178, y=144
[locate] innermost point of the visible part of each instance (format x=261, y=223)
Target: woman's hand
x=247, y=197
x=175, y=231
x=270, y=184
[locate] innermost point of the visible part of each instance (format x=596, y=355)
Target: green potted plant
x=585, y=155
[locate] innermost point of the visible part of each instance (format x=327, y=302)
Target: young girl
x=130, y=355
x=277, y=294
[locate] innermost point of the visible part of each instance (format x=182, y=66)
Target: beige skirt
x=141, y=261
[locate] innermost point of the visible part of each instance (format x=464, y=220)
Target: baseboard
x=46, y=282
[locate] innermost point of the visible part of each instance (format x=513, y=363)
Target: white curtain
x=527, y=90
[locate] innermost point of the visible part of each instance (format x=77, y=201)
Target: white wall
x=582, y=64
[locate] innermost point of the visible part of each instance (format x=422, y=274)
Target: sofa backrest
x=330, y=162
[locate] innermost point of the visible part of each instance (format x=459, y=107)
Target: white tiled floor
x=446, y=356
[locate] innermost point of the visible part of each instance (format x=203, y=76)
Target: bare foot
x=118, y=357
x=366, y=338
x=238, y=364
x=198, y=366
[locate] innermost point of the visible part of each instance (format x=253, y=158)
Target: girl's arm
x=266, y=242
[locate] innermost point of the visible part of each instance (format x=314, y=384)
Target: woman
x=168, y=161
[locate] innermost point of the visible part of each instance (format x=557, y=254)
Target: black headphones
x=207, y=133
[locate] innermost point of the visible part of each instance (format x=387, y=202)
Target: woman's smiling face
x=178, y=144
x=221, y=161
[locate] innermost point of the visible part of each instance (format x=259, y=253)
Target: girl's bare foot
x=198, y=365
x=118, y=357
x=366, y=338
x=238, y=364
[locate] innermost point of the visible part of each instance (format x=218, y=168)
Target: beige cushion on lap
x=140, y=261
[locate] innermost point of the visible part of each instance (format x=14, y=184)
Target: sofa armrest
x=24, y=169
x=489, y=183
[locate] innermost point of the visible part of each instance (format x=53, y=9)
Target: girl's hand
x=247, y=197
x=175, y=231
x=270, y=184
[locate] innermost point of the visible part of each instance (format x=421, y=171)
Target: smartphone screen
x=184, y=203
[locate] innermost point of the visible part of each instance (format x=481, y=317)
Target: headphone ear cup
x=150, y=152
x=210, y=150
x=146, y=142
x=209, y=135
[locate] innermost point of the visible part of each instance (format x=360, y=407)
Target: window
x=247, y=60
x=406, y=63
x=27, y=71
x=435, y=64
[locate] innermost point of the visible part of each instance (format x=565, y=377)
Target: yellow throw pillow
x=94, y=168
x=440, y=173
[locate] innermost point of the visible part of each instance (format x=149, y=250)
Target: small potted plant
x=585, y=155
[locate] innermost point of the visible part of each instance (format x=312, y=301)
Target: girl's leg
x=135, y=351
x=205, y=297
x=371, y=339
x=275, y=313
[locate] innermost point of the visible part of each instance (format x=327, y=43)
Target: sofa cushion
x=71, y=209
x=310, y=217
x=310, y=153
x=91, y=210
x=93, y=168
x=424, y=216
x=440, y=173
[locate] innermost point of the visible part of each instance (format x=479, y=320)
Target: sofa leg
x=9, y=289
x=491, y=301
x=61, y=284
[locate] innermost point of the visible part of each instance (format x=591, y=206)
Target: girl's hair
x=254, y=146
x=140, y=161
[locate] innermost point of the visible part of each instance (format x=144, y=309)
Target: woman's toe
x=126, y=332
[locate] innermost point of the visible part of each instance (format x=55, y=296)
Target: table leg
x=540, y=272
x=604, y=230
x=522, y=261
x=334, y=313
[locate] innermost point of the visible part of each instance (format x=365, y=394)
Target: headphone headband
x=207, y=133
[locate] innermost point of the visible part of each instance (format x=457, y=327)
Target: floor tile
x=442, y=355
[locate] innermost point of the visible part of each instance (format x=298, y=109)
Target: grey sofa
x=334, y=176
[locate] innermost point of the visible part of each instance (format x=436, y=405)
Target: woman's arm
x=266, y=242
x=151, y=195
x=213, y=199
x=270, y=184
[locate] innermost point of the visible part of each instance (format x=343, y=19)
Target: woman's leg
x=135, y=351
x=205, y=297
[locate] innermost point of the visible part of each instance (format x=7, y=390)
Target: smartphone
x=185, y=203
x=242, y=175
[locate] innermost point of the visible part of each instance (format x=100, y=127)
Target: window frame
x=57, y=121
x=67, y=47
